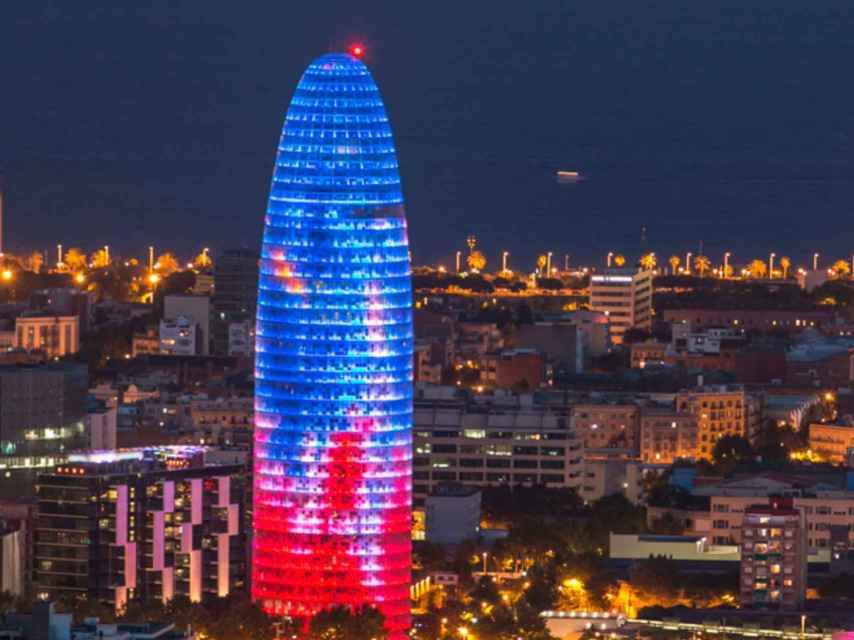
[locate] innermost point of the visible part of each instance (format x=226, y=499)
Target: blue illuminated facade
x=333, y=399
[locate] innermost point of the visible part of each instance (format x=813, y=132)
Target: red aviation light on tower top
x=357, y=50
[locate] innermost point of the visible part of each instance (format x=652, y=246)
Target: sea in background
x=726, y=123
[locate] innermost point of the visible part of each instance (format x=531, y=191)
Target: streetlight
x=726, y=263
x=688, y=262
x=566, y=262
x=150, y=259
x=485, y=572
x=59, y=255
x=549, y=263
x=459, y=257
x=107, y=253
x=815, y=261
x=504, y=255
x=609, y=258
x=771, y=265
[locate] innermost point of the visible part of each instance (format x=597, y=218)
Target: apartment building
x=147, y=523
x=831, y=441
x=624, y=294
x=773, y=555
x=721, y=410
x=667, y=435
x=607, y=424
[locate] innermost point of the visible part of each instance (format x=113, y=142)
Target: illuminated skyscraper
x=333, y=398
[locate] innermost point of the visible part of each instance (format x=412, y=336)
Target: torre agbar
x=333, y=399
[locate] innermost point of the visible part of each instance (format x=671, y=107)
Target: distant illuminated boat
x=569, y=176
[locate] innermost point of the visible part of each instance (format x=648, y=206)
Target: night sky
x=730, y=123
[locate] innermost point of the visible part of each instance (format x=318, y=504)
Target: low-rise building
x=180, y=336
x=521, y=369
x=831, y=441
x=452, y=514
x=644, y=354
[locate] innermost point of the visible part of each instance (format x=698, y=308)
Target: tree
x=100, y=259
x=476, y=261
x=75, y=259
x=785, y=264
x=731, y=451
x=674, y=264
x=203, y=260
x=757, y=269
x=35, y=261
x=619, y=260
x=841, y=268
x=166, y=264
x=342, y=623
x=649, y=261
x=542, y=261
x=703, y=264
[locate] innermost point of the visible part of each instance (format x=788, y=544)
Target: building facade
x=235, y=294
x=55, y=336
x=773, y=556
x=625, y=296
x=607, y=424
x=334, y=359
x=140, y=523
x=721, y=411
x=42, y=417
x=667, y=435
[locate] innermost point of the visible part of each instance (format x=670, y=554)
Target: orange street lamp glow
x=154, y=278
x=80, y=278
x=7, y=274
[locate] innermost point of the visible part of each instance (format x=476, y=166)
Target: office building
x=42, y=417
x=625, y=296
x=773, y=555
x=503, y=440
x=235, y=294
x=334, y=359
x=148, y=523
x=55, y=336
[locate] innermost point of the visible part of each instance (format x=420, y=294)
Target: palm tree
x=674, y=264
x=476, y=261
x=203, y=260
x=35, y=261
x=648, y=261
x=166, y=264
x=99, y=259
x=542, y=261
x=703, y=264
x=619, y=260
x=757, y=268
x=75, y=259
x=841, y=268
x=785, y=263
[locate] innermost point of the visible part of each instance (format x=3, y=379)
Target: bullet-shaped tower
x=333, y=373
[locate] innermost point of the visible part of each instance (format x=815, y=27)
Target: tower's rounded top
x=336, y=145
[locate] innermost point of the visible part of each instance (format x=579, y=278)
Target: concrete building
x=561, y=342
x=453, y=514
x=55, y=336
x=429, y=363
x=235, y=293
x=42, y=417
x=196, y=309
x=644, y=354
x=611, y=471
x=145, y=343
x=180, y=336
x=773, y=555
x=502, y=439
x=765, y=319
x=625, y=296
x=667, y=435
x=520, y=369
x=101, y=423
x=141, y=523
x=607, y=424
x=719, y=411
